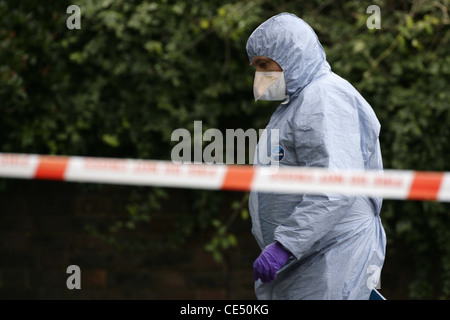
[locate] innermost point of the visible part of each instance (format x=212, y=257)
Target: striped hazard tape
x=389, y=184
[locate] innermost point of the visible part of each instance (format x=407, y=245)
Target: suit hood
x=292, y=43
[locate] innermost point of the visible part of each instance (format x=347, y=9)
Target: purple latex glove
x=273, y=257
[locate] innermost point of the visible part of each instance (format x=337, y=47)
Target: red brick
x=93, y=277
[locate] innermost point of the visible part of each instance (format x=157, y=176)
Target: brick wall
x=42, y=232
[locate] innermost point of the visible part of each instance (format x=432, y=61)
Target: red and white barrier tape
x=390, y=184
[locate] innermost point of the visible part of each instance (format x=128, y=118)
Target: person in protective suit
x=314, y=246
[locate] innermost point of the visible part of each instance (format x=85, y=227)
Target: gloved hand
x=273, y=257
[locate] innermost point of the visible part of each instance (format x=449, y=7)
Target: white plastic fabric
x=338, y=242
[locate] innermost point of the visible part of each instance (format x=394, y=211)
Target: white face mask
x=269, y=86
